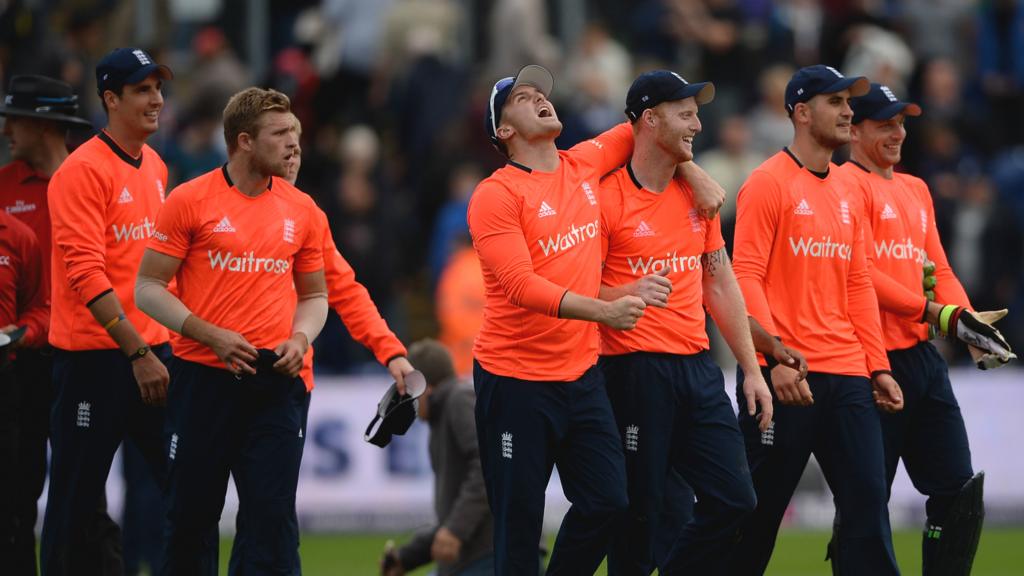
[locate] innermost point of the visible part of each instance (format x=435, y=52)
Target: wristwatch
x=138, y=354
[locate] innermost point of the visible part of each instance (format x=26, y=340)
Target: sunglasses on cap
x=396, y=412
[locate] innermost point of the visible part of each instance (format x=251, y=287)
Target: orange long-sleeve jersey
x=103, y=207
x=899, y=234
x=644, y=232
x=238, y=257
x=800, y=262
x=538, y=235
x=353, y=304
x=23, y=290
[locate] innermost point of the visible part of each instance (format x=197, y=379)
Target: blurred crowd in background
x=392, y=93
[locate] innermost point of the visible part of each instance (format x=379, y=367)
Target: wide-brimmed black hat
x=42, y=97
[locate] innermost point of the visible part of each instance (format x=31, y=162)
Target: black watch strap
x=139, y=353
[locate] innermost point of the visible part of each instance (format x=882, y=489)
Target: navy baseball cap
x=880, y=104
x=810, y=81
x=396, y=412
x=531, y=75
x=127, y=66
x=657, y=86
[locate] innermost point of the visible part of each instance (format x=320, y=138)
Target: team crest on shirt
x=694, y=220
x=888, y=213
x=844, y=211
x=924, y=221
x=643, y=230
x=590, y=194
x=803, y=209
x=160, y=190
x=289, y=230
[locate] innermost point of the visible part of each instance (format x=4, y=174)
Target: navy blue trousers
x=524, y=429
x=843, y=431
x=252, y=428
x=929, y=432
x=676, y=419
x=96, y=405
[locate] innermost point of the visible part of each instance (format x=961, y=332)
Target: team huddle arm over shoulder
x=862, y=306
x=608, y=150
x=78, y=203
x=498, y=237
x=758, y=208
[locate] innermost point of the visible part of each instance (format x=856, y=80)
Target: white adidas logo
x=803, y=208
x=643, y=230
x=224, y=226
x=125, y=196
x=545, y=210
x=888, y=213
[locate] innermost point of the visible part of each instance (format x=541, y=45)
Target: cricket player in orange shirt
x=239, y=241
x=349, y=298
x=901, y=237
x=800, y=261
x=667, y=394
x=541, y=401
x=109, y=379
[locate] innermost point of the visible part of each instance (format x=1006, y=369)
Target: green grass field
x=1001, y=553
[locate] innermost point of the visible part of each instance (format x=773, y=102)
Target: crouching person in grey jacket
x=461, y=542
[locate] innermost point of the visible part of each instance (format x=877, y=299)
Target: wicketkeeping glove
x=986, y=360
x=964, y=325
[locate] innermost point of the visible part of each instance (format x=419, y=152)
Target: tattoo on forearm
x=711, y=261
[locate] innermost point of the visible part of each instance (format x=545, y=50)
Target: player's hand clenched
x=886, y=391
x=233, y=350
x=152, y=377
x=708, y=201
x=654, y=289
x=623, y=314
x=291, y=352
x=791, y=387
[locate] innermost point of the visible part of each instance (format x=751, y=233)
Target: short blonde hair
x=244, y=109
